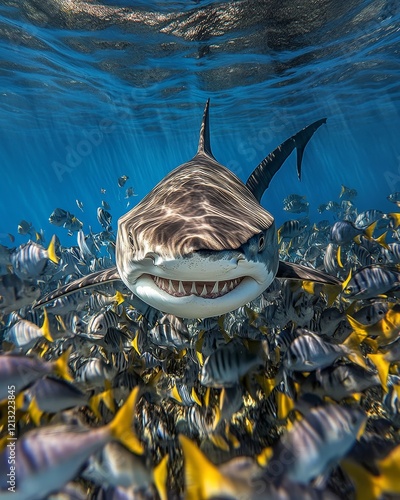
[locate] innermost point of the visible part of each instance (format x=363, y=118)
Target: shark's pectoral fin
x=94, y=279
x=295, y=271
x=261, y=177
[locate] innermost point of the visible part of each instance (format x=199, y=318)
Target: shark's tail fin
x=261, y=177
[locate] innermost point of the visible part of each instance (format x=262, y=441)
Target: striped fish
x=228, y=364
x=370, y=281
x=326, y=433
x=29, y=260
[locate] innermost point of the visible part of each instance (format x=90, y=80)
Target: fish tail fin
x=46, y=327
x=121, y=426
x=265, y=456
x=390, y=468
x=195, y=397
x=175, y=394
x=135, y=343
x=352, y=343
x=360, y=329
x=285, y=405
x=367, y=486
x=51, y=251
x=107, y=398
x=381, y=240
x=119, y=298
x=382, y=365
x=219, y=442
x=61, y=366
x=369, y=231
x=342, y=191
x=35, y=412
x=203, y=480
x=396, y=218
x=160, y=474
x=347, y=280
x=338, y=256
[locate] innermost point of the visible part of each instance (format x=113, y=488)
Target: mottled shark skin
x=200, y=244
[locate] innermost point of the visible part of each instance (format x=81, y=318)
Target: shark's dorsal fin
x=204, y=140
x=261, y=177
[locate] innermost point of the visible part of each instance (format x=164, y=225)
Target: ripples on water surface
x=143, y=73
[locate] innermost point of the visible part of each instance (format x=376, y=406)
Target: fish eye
x=354, y=419
x=348, y=290
x=261, y=242
x=346, y=382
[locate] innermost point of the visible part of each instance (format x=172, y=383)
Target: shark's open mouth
x=204, y=289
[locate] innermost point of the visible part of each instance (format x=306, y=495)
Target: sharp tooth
x=193, y=289
x=181, y=289
x=204, y=291
x=215, y=288
x=224, y=289
x=231, y=285
x=171, y=287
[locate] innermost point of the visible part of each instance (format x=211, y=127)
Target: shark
x=200, y=244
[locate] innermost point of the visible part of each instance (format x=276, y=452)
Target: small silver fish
x=16, y=293
x=327, y=433
x=122, y=180
x=25, y=227
x=59, y=217
x=19, y=371
x=228, y=364
x=347, y=194
x=29, y=260
x=308, y=352
x=339, y=382
x=370, y=281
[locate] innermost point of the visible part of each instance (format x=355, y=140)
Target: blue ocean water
x=92, y=91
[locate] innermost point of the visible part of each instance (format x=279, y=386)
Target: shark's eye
x=261, y=242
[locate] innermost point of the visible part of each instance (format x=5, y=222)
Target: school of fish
x=296, y=394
